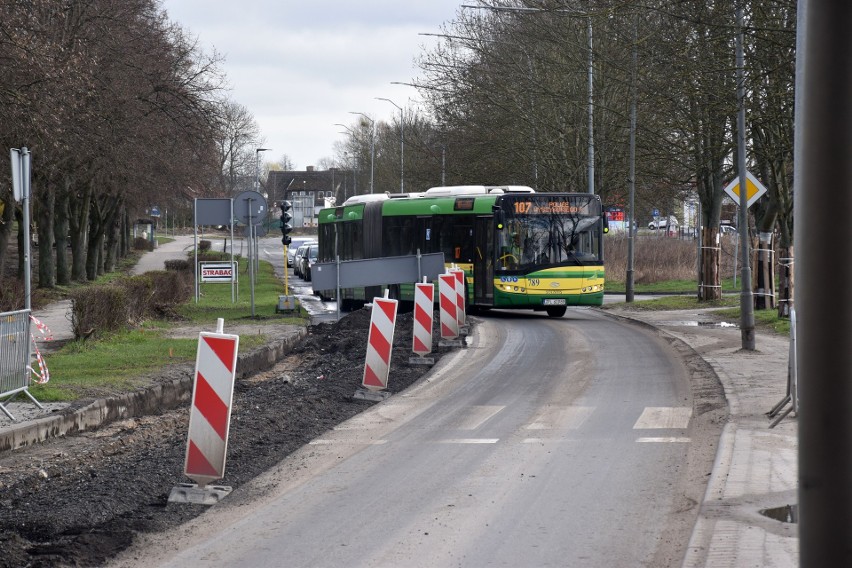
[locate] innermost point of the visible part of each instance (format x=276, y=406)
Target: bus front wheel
x=556, y=311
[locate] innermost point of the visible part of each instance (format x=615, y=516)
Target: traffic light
x=286, y=227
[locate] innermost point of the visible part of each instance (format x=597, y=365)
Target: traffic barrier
x=448, y=304
x=379, y=344
x=460, y=299
x=210, y=413
x=424, y=313
x=15, y=354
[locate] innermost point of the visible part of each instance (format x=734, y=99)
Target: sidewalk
x=756, y=467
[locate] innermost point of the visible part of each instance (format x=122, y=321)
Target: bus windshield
x=542, y=231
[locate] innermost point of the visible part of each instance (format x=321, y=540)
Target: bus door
x=483, y=261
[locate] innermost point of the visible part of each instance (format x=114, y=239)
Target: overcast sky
x=300, y=66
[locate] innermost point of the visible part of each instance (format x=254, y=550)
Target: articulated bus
x=519, y=249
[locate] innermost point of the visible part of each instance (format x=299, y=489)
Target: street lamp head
x=390, y=101
x=263, y=149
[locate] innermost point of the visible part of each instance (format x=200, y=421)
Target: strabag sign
x=219, y=272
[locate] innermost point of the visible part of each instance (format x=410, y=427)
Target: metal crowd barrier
x=15, y=355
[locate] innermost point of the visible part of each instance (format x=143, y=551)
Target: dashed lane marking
x=664, y=417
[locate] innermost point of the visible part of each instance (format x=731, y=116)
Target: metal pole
x=631, y=235
x=372, y=158
x=746, y=295
x=26, y=181
x=591, y=114
x=823, y=131
x=250, y=253
x=401, y=145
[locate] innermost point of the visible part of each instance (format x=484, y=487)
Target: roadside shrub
x=658, y=259
x=177, y=264
x=204, y=245
x=140, y=243
x=169, y=288
x=139, y=290
x=11, y=295
x=98, y=310
x=215, y=256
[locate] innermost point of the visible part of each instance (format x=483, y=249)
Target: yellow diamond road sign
x=754, y=190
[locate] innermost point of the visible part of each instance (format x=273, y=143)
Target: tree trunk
x=709, y=287
x=60, y=233
x=79, y=212
x=44, y=213
x=785, y=282
x=19, y=217
x=6, y=218
x=94, y=261
x=764, y=275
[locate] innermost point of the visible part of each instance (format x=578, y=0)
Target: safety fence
x=15, y=354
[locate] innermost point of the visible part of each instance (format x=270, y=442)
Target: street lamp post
x=354, y=160
x=372, y=147
x=401, y=145
x=257, y=167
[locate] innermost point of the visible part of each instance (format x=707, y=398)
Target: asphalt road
x=548, y=442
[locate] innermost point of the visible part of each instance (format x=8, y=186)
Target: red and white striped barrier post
x=210, y=413
x=449, y=304
x=424, y=313
x=379, y=344
x=460, y=299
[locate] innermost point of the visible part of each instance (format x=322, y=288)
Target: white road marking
x=477, y=417
x=470, y=441
x=559, y=417
x=350, y=441
x=654, y=417
x=669, y=439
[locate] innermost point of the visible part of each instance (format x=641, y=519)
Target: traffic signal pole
x=286, y=302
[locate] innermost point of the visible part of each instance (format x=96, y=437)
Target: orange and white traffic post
x=424, y=313
x=379, y=346
x=209, y=417
x=460, y=299
x=448, y=303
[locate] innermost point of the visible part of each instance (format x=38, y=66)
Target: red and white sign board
x=210, y=413
x=449, y=304
x=460, y=312
x=219, y=271
x=379, y=344
x=424, y=313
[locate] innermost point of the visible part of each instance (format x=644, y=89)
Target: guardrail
x=15, y=355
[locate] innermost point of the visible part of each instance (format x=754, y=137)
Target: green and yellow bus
x=519, y=249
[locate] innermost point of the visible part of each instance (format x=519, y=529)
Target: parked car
x=297, y=260
x=295, y=243
x=727, y=229
x=663, y=223
x=308, y=260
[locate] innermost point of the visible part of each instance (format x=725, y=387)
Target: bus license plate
x=554, y=301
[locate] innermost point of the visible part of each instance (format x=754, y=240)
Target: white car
x=295, y=243
x=663, y=223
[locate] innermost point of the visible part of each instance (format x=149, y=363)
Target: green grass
x=215, y=299
x=668, y=287
x=729, y=308
x=117, y=363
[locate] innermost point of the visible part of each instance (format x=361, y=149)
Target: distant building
x=309, y=191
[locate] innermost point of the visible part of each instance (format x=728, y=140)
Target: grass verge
x=118, y=363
